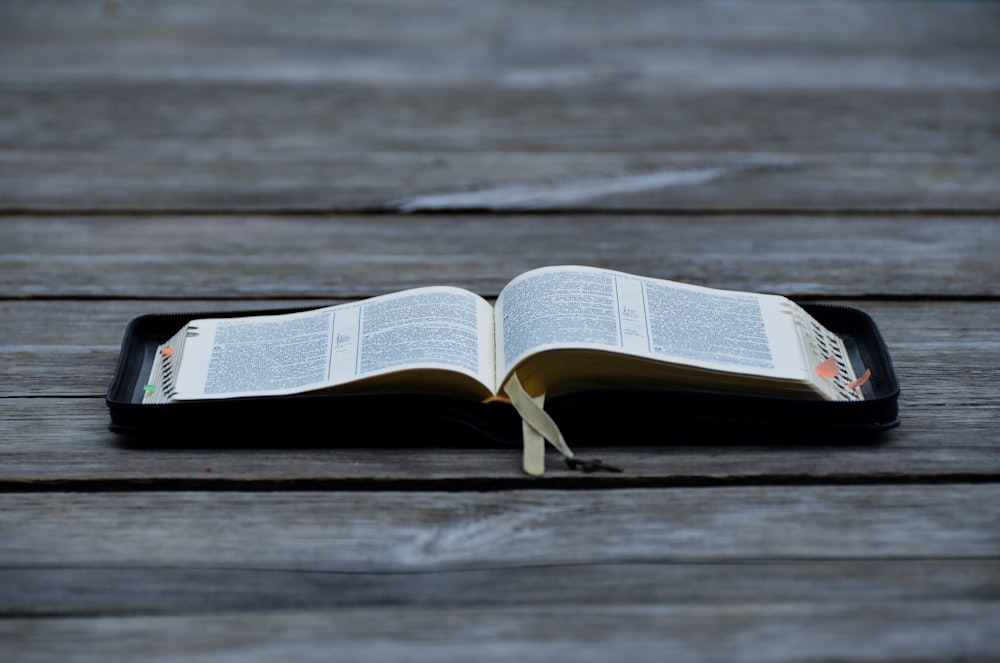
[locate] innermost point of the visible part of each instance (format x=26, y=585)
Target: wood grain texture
x=137, y=589
x=820, y=106
x=892, y=632
x=409, y=531
x=251, y=175
x=61, y=443
x=350, y=256
x=188, y=156
x=182, y=574
x=400, y=44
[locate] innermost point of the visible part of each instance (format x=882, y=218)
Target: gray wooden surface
x=188, y=156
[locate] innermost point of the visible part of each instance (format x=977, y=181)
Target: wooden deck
x=190, y=156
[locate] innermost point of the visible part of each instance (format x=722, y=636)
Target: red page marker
x=828, y=369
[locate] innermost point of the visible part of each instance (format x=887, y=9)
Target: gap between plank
x=479, y=484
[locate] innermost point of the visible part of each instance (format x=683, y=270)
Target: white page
x=424, y=328
x=576, y=307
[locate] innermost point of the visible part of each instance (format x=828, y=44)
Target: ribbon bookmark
x=861, y=380
x=536, y=427
x=533, y=460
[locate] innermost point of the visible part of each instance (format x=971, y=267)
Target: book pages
x=586, y=308
x=434, y=328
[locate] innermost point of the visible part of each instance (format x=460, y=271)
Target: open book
x=552, y=330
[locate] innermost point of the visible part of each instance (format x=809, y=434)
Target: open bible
x=552, y=331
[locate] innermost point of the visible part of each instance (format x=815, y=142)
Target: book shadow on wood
x=582, y=431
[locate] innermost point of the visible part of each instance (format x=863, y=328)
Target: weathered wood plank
x=408, y=106
x=587, y=633
x=942, y=353
x=663, y=559
x=529, y=45
x=356, y=178
x=409, y=531
x=822, y=106
x=137, y=589
x=201, y=122
x=53, y=443
x=333, y=256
